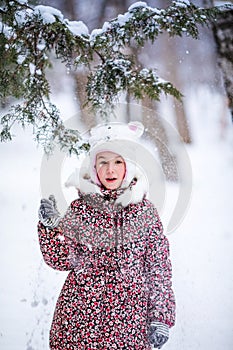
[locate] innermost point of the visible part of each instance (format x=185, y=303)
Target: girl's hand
x=158, y=334
x=48, y=213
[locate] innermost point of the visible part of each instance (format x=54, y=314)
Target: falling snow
x=201, y=247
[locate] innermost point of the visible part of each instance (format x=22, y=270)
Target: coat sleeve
x=59, y=246
x=161, y=303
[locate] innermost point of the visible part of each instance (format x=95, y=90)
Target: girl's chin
x=111, y=182
x=111, y=185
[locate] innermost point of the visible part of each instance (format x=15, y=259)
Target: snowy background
x=201, y=247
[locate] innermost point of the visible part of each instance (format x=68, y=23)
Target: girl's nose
x=110, y=167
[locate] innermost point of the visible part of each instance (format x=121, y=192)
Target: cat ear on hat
x=136, y=128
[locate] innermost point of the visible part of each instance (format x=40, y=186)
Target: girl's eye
x=119, y=161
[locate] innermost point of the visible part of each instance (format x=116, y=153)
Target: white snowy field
x=201, y=247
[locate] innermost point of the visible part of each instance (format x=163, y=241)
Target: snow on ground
x=201, y=247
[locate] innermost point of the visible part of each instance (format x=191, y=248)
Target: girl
x=118, y=294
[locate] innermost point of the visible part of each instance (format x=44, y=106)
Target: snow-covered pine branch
x=142, y=23
x=115, y=75
x=30, y=36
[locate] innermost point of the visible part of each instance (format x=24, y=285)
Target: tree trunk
x=181, y=121
x=171, y=66
x=86, y=114
x=158, y=135
x=70, y=8
x=174, y=77
x=223, y=33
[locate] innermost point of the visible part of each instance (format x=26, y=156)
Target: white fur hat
x=123, y=139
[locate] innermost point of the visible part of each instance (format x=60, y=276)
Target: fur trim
x=123, y=139
x=133, y=193
x=81, y=179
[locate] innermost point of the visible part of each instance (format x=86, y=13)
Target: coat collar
x=134, y=193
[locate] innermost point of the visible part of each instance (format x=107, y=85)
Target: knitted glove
x=48, y=213
x=158, y=334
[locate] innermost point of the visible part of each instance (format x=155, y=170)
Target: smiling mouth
x=111, y=179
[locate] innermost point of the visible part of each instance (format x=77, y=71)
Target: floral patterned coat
x=120, y=274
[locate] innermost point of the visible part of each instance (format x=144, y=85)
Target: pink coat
x=120, y=274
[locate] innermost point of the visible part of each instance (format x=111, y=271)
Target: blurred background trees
x=188, y=63
x=184, y=61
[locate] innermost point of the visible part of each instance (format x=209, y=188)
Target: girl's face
x=110, y=168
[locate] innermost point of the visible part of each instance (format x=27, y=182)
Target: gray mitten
x=158, y=334
x=48, y=213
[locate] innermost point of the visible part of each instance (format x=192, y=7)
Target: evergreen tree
x=223, y=31
x=31, y=35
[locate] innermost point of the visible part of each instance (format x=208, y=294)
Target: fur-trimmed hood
x=134, y=187
x=123, y=139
